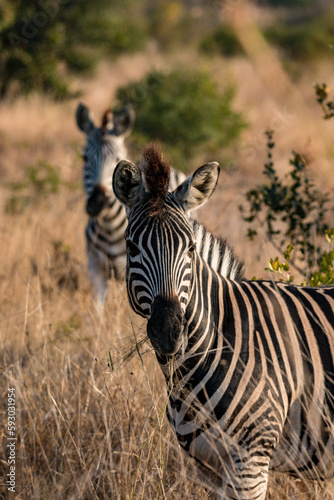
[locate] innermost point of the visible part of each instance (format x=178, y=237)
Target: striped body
x=104, y=232
x=249, y=366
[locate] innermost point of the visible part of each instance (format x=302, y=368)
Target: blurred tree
x=184, y=110
x=304, y=41
x=287, y=3
x=43, y=41
x=300, y=34
x=302, y=29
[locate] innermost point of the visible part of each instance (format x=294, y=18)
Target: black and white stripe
x=249, y=365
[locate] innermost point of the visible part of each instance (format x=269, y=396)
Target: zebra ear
x=198, y=188
x=123, y=121
x=128, y=183
x=84, y=119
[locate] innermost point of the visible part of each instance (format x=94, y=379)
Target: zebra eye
x=85, y=158
x=133, y=249
x=191, y=249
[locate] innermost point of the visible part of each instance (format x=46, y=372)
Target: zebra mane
x=107, y=121
x=217, y=253
x=156, y=170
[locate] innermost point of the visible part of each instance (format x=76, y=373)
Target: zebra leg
x=236, y=473
x=119, y=267
x=248, y=481
x=98, y=276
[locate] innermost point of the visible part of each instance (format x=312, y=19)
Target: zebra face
x=160, y=258
x=161, y=255
x=101, y=156
x=104, y=148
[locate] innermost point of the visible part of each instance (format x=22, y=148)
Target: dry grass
x=88, y=424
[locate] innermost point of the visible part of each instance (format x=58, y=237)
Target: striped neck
x=114, y=210
x=204, y=316
x=217, y=253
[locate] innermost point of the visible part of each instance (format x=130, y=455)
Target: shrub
x=222, y=41
x=298, y=211
x=183, y=110
x=291, y=210
x=327, y=106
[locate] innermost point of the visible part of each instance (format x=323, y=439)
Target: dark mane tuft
x=156, y=170
x=107, y=121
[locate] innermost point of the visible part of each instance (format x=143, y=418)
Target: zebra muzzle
x=96, y=202
x=166, y=325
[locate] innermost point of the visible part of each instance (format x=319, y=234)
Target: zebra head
x=104, y=148
x=161, y=248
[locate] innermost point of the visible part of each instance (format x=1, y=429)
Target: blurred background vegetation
x=186, y=92
x=184, y=112
x=44, y=42
x=52, y=46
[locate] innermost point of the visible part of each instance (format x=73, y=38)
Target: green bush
x=291, y=209
x=222, y=41
x=327, y=106
x=323, y=274
x=183, y=110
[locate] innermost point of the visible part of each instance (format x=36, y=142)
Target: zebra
x=106, y=249
x=105, y=245
x=249, y=365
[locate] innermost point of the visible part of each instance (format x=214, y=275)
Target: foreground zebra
x=248, y=365
x=106, y=250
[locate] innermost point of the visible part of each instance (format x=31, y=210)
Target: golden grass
x=88, y=424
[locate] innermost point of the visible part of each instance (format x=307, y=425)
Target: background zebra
x=106, y=249
x=107, y=220
x=249, y=365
